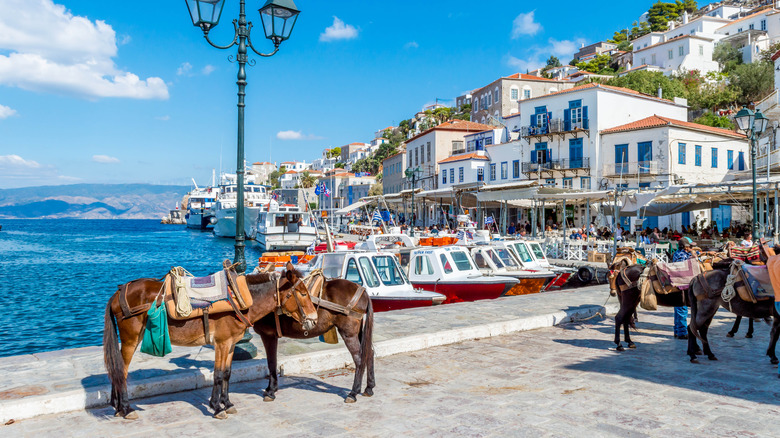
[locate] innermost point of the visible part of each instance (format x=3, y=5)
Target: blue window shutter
x=533, y=156
x=585, y=121
x=567, y=120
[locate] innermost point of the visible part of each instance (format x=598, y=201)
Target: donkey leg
x=370, y=379
x=693, y=345
x=219, y=376
x=706, y=343
x=129, y=344
x=270, y=342
x=225, y=399
x=353, y=345
x=750, y=328
x=627, y=334
x=735, y=327
x=773, y=335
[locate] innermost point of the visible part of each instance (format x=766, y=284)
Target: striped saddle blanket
x=678, y=274
x=203, y=291
x=748, y=255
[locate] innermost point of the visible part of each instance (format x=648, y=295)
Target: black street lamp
x=411, y=174
x=753, y=125
x=278, y=18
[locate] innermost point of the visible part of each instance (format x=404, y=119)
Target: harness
x=280, y=304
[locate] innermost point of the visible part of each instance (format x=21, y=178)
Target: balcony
x=457, y=152
x=564, y=166
x=635, y=169
x=541, y=167
x=556, y=126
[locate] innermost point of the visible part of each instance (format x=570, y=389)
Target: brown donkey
x=269, y=292
x=342, y=304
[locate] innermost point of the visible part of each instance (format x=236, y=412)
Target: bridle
x=281, y=302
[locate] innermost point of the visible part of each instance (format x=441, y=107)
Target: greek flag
x=377, y=216
x=325, y=190
x=310, y=249
x=488, y=220
x=461, y=235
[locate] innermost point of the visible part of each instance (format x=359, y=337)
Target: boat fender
x=586, y=274
x=213, y=220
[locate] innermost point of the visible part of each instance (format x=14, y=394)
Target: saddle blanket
x=746, y=254
x=206, y=290
x=679, y=274
x=759, y=281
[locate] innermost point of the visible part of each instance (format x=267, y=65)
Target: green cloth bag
x=157, y=340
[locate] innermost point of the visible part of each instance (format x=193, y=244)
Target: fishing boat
x=200, y=208
x=381, y=275
x=497, y=260
x=531, y=255
x=284, y=228
x=451, y=271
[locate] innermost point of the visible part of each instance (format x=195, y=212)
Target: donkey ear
x=288, y=274
x=289, y=266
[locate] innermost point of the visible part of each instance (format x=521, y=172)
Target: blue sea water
x=56, y=276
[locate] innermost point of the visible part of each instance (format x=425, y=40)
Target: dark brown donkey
x=352, y=315
x=269, y=291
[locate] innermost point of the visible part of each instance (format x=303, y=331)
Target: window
x=444, y=177
x=680, y=153
x=585, y=182
x=516, y=169
x=575, y=109
x=504, y=170
x=495, y=95
x=621, y=158
x=523, y=254
x=480, y=174
x=730, y=159
x=490, y=99
x=461, y=261
x=352, y=273
x=479, y=260
x=422, y=266
x=653, y=59
x=763, y=24
x=492, y=172
x=514, y=94
x=368, y=272
x=671, y=54
x=429, y=152
x=526, y=94
x=701, y=50
x=681, y=50
x=714, y=158
x=457, y=146
x=388, y=271
x=410, y=160
x=752, y=26
x=488, y=141
x=452, y=176
x=416, y=157
x=445, y=264
x=697, y=158
x=567, y=183
x=643, y=61
x=741, y=161
x=460, y=174
x=739, y=30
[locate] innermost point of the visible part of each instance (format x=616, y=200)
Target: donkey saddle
x=188, y=297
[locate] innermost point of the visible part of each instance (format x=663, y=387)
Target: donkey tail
x=112, y=357
x=366, y=340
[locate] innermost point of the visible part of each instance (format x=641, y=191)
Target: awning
x=352, y=207
x=507, y=191
x=585, y=196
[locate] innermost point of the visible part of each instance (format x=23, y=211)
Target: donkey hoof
x=620, y=348
x=368, y=392
x=269, y=398
x=712, y=357
x=350, y=399
x=749, y=335
x=132, y=415
x=729, y=335
x=221, y=415
x=694, y=360
x=231, y=410
x=774, y=361
x=631, y=345
x=699, y=352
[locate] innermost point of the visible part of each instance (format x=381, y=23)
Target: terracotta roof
x=289, y=172
x=760, y=10
x=775, y=56
x=602, y=86
x=657, y=121
x=260, y=164
x=455, y=125
x=529, y=77
x=469, y=156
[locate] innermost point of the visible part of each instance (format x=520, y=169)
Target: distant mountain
x=90, y=201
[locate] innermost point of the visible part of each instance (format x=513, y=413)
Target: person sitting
x=434, y=230
x=576, y=235
x=522, y=232
x=511, y=230
x=644, y=238
x=747, y=241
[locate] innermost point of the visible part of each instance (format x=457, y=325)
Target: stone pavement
x=564, y=381
x=68, y=380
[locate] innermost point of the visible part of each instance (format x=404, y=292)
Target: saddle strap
x=232, y=277
x=278, y=308
x=239, y=315
x=278, y=325
x=345, y=310
x=206, y=331
x=127, y=311
x=705, y=285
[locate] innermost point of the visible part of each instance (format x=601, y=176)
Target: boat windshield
x=368, y=272
x=388, y=271
x=461, y=261
x=479, y=259
x=505, y=257
x=538, y=251
x=445, y=264
x=353, y=274
x=522, y=251
x=331, y=265
x=495, y=258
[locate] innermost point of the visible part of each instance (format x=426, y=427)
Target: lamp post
x=753, y=125
x=412, y=175
x=278, y=19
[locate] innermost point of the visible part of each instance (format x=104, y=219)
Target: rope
x=643, y=277
x=183, y=305
x=729, y=292
x=595, y=314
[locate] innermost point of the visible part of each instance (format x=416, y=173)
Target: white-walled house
x=463, y=168
x=752, y=34
x=660, y=151
x=297, y=166
x=559, y=133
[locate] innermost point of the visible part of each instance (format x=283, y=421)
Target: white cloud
x=208, y=69
x=523, y=65
x=10, y=162
x=296, y=135
x=564, y=48
x=125, y=40
x=184, y=69
x=164, y=118
x=339, y=31
x=46, y=48
x=524, y=24
x=411, y=45
x=6, y=112
x=105, y=159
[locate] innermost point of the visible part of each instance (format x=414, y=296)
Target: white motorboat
x=497, y=260
x=200, y=208
x=284, y=228
x=531, y=255
x=255, y=199
x=381, y=275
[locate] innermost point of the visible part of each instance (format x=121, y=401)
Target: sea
x=56, y=275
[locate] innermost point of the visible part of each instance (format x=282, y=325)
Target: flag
x=461, y=235
x=310, y=249
x=318, y=189
x=488, y=220
x=325, y=190
x=377, y=216
x=275, y=196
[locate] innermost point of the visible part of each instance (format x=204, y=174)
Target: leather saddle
x=188, y=297
x=753, y=284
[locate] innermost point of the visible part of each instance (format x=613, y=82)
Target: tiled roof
x=775, y=56
x=456, y=125
x=394, y=155
x=528, y=77
x=470, y=156
x=761, y=11
x=290, y=172
x=604, y=87
x=657, y=121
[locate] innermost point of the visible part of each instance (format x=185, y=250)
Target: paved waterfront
x=560, y=381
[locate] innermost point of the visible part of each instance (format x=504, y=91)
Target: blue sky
x=117, y=92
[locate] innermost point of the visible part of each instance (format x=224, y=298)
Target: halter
x=280, y=305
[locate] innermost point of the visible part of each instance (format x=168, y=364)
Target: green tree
x=553, y=61
x=273, y=177
x=727, y=56
x=339, y=165
x=661, y=13
x=689, y=6
x=600, y=65
x=766, y=55
x=648, y=82
x=334, y=153
x=307, y=180
x=716, y=121
x=375, y=189
x=621, y=38
x=754, y=81
x=639, y=29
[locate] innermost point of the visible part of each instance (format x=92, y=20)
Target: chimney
x=685, y=17
x=660, y=92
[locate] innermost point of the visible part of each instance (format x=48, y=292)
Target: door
x=645, y=157
x=575, y=153
x=685, y=217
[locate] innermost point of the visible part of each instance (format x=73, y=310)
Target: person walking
x=684, y=252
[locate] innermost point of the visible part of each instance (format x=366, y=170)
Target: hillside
x=90, y=201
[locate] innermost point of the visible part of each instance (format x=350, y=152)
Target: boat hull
x=467, y=291
x=226, y=224
x=528, y=286
x=199, y=221
x=289, y=242
x=386, y=304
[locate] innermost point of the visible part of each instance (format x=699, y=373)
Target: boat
x=451, y=271
x=255, y=199
x=531, y=255
x=200, y=208
x=284, y=228
x=497, y=260
x=381, y=275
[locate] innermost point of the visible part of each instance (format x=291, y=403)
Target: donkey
x=269, y=292
x=704, y=308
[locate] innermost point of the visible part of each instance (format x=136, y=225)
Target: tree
x=273, y=177
x=307, y=180
x=766, y=55
x=334, y=153
x=648, y=82
x=754, y=81
x=599, y=64
x=339, y=165
x=375, y=189
x=727, y=57
x=689, y=6
x=660, y=14
x=553, y=61
x=621, y=38
x=716, y=121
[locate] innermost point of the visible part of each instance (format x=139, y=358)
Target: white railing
x=631, y=168
x=769, y=102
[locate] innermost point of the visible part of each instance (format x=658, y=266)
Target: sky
x=109, y=92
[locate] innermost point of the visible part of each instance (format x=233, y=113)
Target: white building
x=297, y=166
x=262, y=170
x=753, y=34
x=393, y=173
